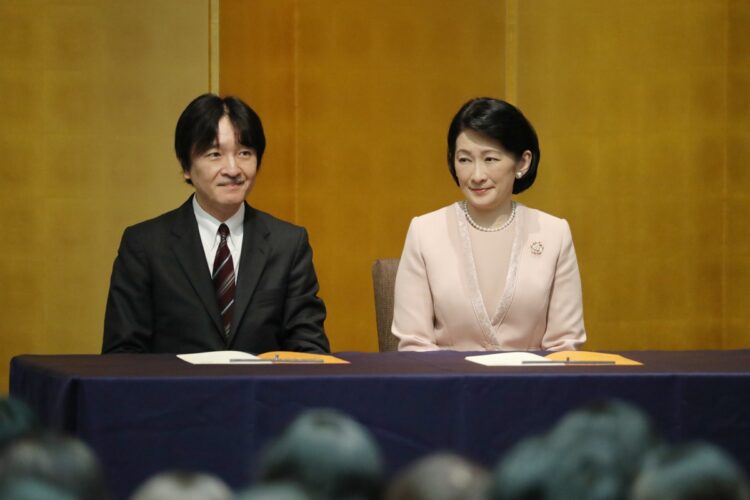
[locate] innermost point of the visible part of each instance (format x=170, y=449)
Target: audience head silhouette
x=16, y=420
x=593, y=453
x=62, y=462
x=693, y=471
x=274, y=491
x=442, y=476
x=329, y=455
x=182, y=485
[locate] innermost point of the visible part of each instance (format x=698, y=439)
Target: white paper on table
x=223, y=358
x=512, y=359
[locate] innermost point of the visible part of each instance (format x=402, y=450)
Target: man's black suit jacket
x=162, y=300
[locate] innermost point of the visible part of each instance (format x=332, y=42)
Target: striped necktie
x=223, y=278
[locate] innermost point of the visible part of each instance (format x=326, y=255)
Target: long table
x=146, y=413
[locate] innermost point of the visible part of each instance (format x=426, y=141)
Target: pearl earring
x=519, y=175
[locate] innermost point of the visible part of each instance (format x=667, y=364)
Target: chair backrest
x=383, y=282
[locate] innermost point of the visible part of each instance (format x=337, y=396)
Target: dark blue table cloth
x=146, y=413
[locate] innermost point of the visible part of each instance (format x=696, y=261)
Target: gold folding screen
x=642, y=111
x=640, y=106
x=90, y=93
x=736, y=242
x=356, y=98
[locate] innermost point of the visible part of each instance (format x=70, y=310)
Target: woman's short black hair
x=502, y=122
x=198, y=126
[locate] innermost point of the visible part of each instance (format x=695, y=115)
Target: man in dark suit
x=215, y=273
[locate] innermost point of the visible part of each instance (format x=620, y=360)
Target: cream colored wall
x=91, y=92
x=642, y=111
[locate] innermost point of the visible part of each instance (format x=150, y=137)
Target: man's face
x=224, y=174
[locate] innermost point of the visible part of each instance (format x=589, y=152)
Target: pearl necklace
x=490, y=229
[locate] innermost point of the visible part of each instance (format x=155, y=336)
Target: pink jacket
x=438, y=304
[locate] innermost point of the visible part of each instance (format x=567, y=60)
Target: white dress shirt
x=208, y=227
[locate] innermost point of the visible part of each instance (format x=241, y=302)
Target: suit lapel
x=187, y=247
x=252, y=262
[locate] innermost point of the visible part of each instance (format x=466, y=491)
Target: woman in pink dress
x=488, y=273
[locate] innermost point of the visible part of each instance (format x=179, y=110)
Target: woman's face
x=486, y=171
